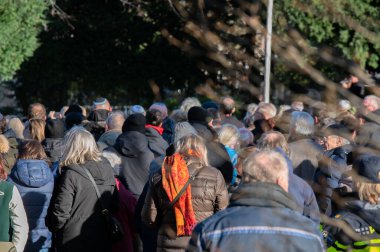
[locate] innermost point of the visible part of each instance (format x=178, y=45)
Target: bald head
x=266, y=166
x=37, y=111
x=228, y=106
x=115, y=121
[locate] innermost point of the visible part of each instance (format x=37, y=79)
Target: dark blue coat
x=260, y=217
x=35, y=181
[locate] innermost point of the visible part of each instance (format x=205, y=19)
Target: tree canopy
x=20, y=23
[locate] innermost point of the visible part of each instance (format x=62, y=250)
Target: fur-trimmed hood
x=4, y=144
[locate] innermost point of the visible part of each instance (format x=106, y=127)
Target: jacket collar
x=160, y=130
x=261, y=194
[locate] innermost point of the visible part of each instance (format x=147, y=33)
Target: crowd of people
x=298, y=177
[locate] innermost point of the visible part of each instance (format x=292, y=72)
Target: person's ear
x=233, y=110
x=283, y=182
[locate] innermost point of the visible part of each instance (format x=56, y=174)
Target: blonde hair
x=193, y=150
x=80, y=147
x=368, y=191
x=17, y=126
x=229, y=135
x=37, y=129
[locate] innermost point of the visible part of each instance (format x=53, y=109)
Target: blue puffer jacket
x=35, y=181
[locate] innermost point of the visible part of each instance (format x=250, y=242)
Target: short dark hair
x=154, y=117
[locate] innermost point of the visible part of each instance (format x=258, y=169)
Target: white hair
x=301, y=123
x=80, y=147
x=190, y=102
x=344, y=105
x=265, y=166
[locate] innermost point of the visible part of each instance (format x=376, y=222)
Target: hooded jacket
x=54, y=148
x=156, y=143
x=35, y=182
x=75, y=215
x=132, y=147
x=260, y=217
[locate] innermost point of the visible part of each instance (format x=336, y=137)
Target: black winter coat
x=132, y=148
x=75, y=216
x=156, y=143
x=53, y=148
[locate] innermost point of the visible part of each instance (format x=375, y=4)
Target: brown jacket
x=209, y=195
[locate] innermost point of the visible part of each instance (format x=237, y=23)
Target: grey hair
x=161, y=107
x=190, y=102
x=115, y=120
x=301, y=123
x=373, y=100
x=80, y=147
x=265, y=166
x=134, y=109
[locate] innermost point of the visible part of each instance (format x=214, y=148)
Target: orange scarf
x=175, y=174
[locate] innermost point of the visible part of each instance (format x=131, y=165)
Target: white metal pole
x=268, y=50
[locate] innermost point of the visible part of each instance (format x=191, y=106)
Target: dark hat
x=210, y=104
x=368, y=167
x=54, y=128
x=99, y=115
x=73, y=109
x=337, y=130
x=135, y=122
x=198, y=115
x=73, y=119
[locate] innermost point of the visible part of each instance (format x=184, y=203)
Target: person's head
x=227, y=106
x=272, y=140
x=135, y=122
x=101, y=103
x=335, y=135
x=115, y=121
x=199, y=115
x=297, y=106
x=229, y=135
x=266, y=111
x=54, y=128
x=188, y=103
x=246, y=137
x=371, y=103
x=31, y=149
x=178, y=115
x=79, y=147
x=154, y=117
x=37, y=111
x=74, y=108
x=344, y=105
x=192, y=148
x=17, y=126
x=266, y=166
x=73, y=119
x=37, y=129
x=161, y=107
x=301, y=123
x=134, y=109
x=183, y=129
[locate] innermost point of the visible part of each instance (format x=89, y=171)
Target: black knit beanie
x=54, y=128
x=198, y=115
x=135, y=122
x=73, y=119
x=74, y=108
